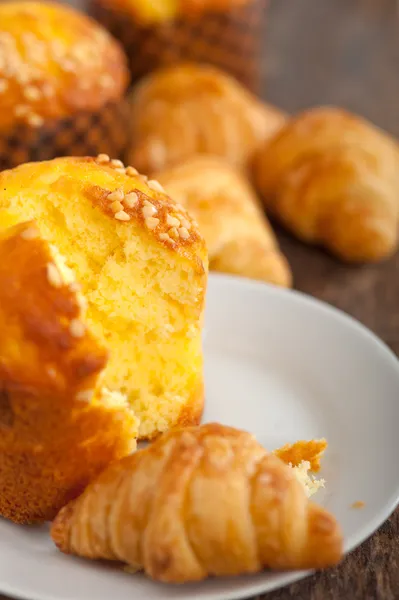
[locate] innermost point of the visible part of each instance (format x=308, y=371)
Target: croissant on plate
x=239, y=238
x=332, y=178
x=204, y=501
x=190, y=109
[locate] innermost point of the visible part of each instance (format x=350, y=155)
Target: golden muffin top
x=120, y=192
x=153, y=11
x=54, y=62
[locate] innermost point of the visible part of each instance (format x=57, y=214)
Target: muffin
x=142, y=266
x=62, y=84
x=59, y=427
x=188, y=109
x=224, y=33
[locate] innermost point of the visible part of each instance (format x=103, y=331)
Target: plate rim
x=392, y=502
x=364, y=532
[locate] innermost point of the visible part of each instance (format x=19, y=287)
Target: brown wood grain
x=343, y=52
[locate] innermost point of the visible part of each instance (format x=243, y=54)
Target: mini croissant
x=239, y=238
x=333, y=179
x=184, y=110
x=199, y=502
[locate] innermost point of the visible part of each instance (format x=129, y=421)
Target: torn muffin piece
x=303, y=457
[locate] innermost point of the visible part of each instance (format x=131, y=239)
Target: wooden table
x=342, y=52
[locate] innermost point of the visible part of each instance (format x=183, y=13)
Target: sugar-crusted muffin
x=142, y=265
x=225, y=33
x=62, y=81
x=59, y=426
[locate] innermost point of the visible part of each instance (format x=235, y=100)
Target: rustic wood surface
x=343, y=52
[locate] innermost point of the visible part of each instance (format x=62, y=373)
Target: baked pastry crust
x=95, y=179
x=332, y=179
x=188, y=109
x=55, y=62
x=239, y=237
x=206, y=501
x=58, y=427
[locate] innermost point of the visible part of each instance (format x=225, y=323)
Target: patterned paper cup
x=83, y=134
x=230, y=39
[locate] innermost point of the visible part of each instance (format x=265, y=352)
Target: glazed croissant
x=333, y=179
x=204, y=501
x=239, y=238
x=184, y=110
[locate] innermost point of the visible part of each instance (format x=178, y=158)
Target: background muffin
x=62, y=80
x=225, y=33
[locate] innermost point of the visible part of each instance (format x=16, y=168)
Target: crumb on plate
x=309, y=482
x=303, y=451
x=358, y=504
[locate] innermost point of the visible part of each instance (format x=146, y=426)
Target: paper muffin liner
x=84, y=134
x=230, y=40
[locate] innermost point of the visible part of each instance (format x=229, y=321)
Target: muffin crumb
x=358, y=504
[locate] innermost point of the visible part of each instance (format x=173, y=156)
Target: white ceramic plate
x=285, y=367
